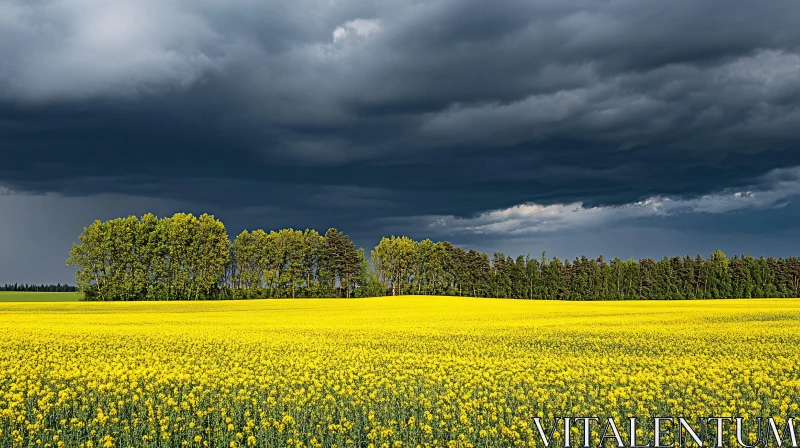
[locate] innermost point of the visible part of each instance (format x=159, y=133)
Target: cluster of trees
x=409, y=267
x=178, y=257
x=186, y=257
x=295, y=263
x=58, y=287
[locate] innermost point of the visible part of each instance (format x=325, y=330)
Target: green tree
x=395, y=257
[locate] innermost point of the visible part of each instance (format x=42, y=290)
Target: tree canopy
x=184, y=257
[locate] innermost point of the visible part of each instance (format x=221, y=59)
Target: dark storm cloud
x=351, y=112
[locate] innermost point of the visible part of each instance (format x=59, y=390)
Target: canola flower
x=384, y=372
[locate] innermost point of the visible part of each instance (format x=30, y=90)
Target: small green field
x=14, y=296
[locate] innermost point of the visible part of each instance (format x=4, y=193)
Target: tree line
x=18, y=287
x=184, y=257
x=409, y=267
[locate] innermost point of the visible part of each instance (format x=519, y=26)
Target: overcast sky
x=628, y=128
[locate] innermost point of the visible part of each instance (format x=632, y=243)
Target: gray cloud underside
x=352, y=113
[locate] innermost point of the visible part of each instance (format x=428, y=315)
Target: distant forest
x=38, y=288
x=184, y=257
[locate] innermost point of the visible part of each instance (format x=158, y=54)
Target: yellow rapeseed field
x=384, y=372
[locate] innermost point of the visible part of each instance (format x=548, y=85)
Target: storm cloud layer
x=474, y=121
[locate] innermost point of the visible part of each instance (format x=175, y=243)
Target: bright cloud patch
x=79, y=49
x=357, y=27
x=781, y=185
